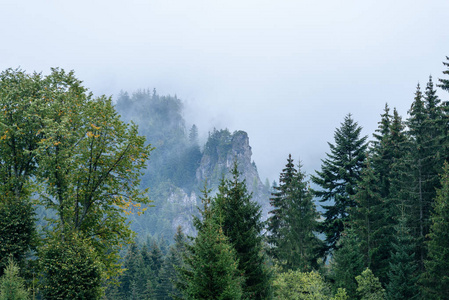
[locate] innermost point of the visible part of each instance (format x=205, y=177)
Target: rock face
x=221, y=150
x=175, y=206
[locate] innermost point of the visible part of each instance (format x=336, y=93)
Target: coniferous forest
x=90, y=189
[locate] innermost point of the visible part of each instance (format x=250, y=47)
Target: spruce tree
x=436, y=277
x=299, y=245
x=211, y=270
x=347, y=263
x=241, y=223
x=402, y=275
x=338, y=178
x=276, y=220
x=366, y=216
x=168, y=275
x=12, y=286
x=445, y=82
x=420, y=167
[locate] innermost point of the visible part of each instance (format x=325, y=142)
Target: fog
x=287, y=72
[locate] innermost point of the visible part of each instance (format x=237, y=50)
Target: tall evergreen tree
x=420, y=166
x=168, y=275
x=445, y=82
x=403, y=268
x=347, y=263
x=338, y=178
x=366, y=216
x=276, y=220
x=211, y=270
x=241, y=223
x=436, y=277
x=299, y=247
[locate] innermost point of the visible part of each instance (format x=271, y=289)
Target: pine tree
x=12, y=286
x=211, y=270
x=347, y=263
x=242, y=225
x=276, y=220
x=420, y=167
x=402, y=274
x=366, y=216
x=445, y=82
x=338, y=178
x=168, y=275
x=298, y=248
x=436, y=277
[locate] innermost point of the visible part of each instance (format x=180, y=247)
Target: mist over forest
x=224, y=150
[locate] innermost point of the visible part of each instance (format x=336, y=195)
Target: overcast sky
x=287, y=72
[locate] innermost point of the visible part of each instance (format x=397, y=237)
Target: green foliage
x=278, y=203
x=19, y=136
x=70, y=269
x=89, y=165
x=168, y=275
x=293, y=285
x=338, y=177
x=445, y=82
x=17, y=230
x=366, y=216
x=240, y=220
x=347, y=263
x=369, y=287
x=403, y=268
x=293, y=222
x=436, y=277
x=12, y=286
x=211, y=270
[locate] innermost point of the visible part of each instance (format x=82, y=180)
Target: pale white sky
x=287, y=72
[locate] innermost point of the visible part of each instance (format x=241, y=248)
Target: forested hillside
x=179, y=165
x=382, y=234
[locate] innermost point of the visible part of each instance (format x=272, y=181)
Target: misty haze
x=248, y=149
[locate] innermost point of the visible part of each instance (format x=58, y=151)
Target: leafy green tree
x=17, y=229
x=403, y=268
x=436, y=276
x=293, y=285
x=369, y=287
x=299, y=245
x=338, y=178
x=20, y=121
x=70, y=269
x=242, y=225
x=90, y=162
x=211, y=270
x=12, y=286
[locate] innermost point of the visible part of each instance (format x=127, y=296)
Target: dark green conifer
x=276, y=219
x=241, y=223
x=347, y=263
x=299, y=246
x=402, y=275
x=338, y=178
x=445, y=82
x=211, y=270
x=436, y=277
